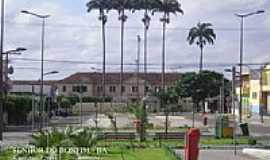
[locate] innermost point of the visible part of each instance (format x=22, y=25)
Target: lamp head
x=260, y=11
x=228, y=70
x=20, y=49
x=24, y=11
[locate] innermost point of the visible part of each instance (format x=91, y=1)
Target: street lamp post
x=48, y=109
x=43, y=17
x=1, y=68
x=242, y=16
x=103, y=94
x=16, y=51
x=233, y=71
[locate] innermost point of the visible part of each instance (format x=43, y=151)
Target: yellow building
x=266, y=88
x=256, y=91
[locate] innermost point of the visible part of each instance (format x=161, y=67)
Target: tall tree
x=166, y=7
x=121, y=6
x=102, y=6
x=200, y=86
x=146, y=5
x=202, y=34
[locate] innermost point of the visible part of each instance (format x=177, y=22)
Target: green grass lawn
x=173, y=143
x=140, y=154
x=6, y=155
x=149, y=150
x=119, y=154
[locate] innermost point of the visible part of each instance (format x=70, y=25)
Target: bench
x=119, y=136
x=170, y=135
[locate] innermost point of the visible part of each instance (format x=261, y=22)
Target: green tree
x=18, y=108
x=65, y=103
x=202, y=34
x=140, y=114
x=102, y=6
x=200, y=86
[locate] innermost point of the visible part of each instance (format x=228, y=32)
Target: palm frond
x=99, y=5
x=168, y=7
x=202, y=33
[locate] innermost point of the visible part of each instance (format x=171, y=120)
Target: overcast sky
x=72, y=34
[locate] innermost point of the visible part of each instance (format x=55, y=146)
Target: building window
x=146, y=89
x=74, y=89
x=123, y=88
x=254, y=95
x=134, y=89
x=268, y=78
x=83, y=89
x=99, y=88
x=112, y=89
x=79, y=89
x=64, y=89
x=157, y=89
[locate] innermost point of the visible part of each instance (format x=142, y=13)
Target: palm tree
x=202, y=34
x=146, y=5
x=167, y=7
x=102, y=6
x=121, y=6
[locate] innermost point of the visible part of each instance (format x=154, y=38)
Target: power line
x=180, y=64
x=55, y=25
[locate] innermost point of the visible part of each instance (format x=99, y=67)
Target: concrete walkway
x=222, y=155
x=259, y=153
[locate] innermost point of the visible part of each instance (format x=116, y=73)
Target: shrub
x=252, y=141
x=70, y=137
x=18, y=108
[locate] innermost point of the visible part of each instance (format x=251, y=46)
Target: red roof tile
x=95, y=77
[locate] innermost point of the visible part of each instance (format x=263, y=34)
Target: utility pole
x=1, y=69
x=261, y=95
x=33, y=108
x=242, y=16
x=233, y=106
x=43, y=18
x=222, y=96
x=81, y=94
x=138, y=65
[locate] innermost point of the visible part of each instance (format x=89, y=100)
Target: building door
x=268, y=103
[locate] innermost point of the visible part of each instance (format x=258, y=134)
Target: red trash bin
x=192, y=144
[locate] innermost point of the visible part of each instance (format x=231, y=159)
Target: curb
x=258, y=153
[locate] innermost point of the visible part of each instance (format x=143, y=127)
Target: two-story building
x=256, y=90
x=134, y=86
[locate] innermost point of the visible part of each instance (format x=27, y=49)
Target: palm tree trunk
x=143, y=119
x=201, y=59
x=103, y=21
x=122, y=51
x=145, y=49
x=164, y=20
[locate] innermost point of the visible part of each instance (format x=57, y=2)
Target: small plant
x=113, y=121
x=252, y=141
x=70, y=137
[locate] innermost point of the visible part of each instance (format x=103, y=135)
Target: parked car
x=61, y=112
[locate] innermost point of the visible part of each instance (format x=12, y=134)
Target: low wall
x=109, y=107
x=102, y=107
